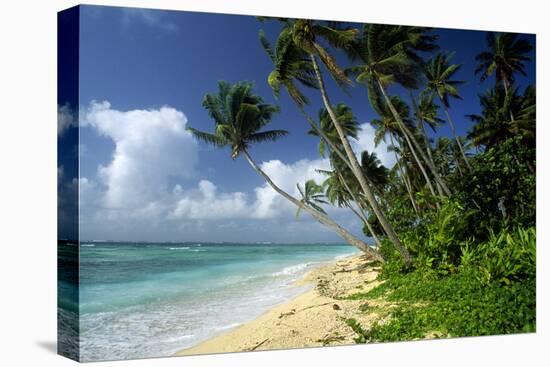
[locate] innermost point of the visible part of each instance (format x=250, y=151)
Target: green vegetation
x=492, y=291
x=454, y=220
x=450, y=306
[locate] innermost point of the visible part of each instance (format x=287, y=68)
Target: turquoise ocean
x=140, y=300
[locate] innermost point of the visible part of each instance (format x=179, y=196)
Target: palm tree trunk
x=360, y=212
x=364, y=219
x=323, y=219
x=426, y=141
x=506, y=84
x=429, y=151
x=410, y=136
x=356, y=169
x=453, y=129
x=406, y=182
x=419, y=163
x=459, y=168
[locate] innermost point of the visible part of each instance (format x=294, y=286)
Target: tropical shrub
x=437, y=240
x=506, y=257
x=502, y=186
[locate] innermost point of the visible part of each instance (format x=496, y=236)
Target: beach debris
x=258, y=344
x=331, y=338
x=284, y=314
x=336, y=307
x=319, y=305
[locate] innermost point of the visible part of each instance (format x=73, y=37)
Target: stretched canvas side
x=67, y=185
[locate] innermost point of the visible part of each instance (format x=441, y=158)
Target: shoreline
x=311, y=319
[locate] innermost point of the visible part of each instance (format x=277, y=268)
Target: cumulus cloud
x=146, y=189
x=207, y=203
x=151, y=147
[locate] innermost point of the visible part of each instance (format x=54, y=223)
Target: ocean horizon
x=143, y=299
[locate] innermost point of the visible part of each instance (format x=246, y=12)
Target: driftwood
x=258, y=345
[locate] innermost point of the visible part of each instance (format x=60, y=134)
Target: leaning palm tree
x=312, y=195
x=388, y=125
x=299, y=38
x=439, y=74
x=457, y=150
x=506, y=55
x=342, y=189
x=426, y=113
x=292, y=66
x=240, y=117
x=388, y=55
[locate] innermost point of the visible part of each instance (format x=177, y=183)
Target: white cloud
x=140, y=193
x=206, y=203
x=270, y=204
x=151, y=18
x=65, y=119
x=151, y=147
x=88, y=192
x=365, y=141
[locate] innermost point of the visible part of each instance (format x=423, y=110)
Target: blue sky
x=143, y=178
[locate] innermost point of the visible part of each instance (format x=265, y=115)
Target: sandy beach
x=315, y=318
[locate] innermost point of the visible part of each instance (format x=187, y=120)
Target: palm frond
x=330, y=62
x=270, y=135
x=208, y=138
x=266, y=45
x=338, y=38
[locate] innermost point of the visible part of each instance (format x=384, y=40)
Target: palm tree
x=347, y=119
x=341, y=189
x=426, y=113
x=505, y=56
x=312, y=195
x=305, y=36
x=239, y=117
x=388, y=55
x=448, y=157
x=292, y=65
x=444, y=155
x=374, y=170
x=336, y=185
x=388, y=125
x=494, y=125
x=439, y=74
x=457, y=150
